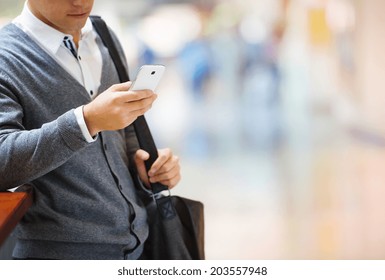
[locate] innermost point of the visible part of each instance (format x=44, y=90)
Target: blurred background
x=277, y=113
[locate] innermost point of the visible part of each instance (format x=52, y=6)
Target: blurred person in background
x=261, y=94
x=65, y=128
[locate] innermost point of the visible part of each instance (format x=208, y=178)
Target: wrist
x=89, y=120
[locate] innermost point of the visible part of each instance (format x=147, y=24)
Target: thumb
x=121, y=87
x=140, y=157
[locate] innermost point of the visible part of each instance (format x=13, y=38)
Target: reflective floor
x=323, y=199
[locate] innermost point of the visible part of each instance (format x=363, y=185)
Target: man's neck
x=76, y=34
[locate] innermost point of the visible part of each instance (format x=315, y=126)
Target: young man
x=65, y=127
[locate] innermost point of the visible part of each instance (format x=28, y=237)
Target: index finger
x=160, y=161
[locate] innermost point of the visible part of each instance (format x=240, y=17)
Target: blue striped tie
x=69, y=45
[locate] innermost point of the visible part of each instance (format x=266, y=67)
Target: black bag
x=176, y=224
x=175, y=229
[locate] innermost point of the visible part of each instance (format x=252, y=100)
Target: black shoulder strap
x=146, y=142
x=102, y=29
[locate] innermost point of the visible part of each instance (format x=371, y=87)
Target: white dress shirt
x=86, y=68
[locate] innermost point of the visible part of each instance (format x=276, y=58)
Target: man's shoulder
x=16, y=49
x=11, y=35
x=12, y=38
x=9, y=31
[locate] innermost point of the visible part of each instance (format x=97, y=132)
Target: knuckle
x=167, y=152
x=176, y=159
x=142, y=111
x=163, y=156
x=142, y=104
x=134, y=95
x=113, y=88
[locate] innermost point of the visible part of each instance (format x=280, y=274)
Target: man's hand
x=116, y=108
x=165, y=170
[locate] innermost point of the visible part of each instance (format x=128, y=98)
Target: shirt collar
x=46, y=35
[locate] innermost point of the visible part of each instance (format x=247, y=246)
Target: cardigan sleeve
x=28, y=154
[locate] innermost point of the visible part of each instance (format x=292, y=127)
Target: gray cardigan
x=85, y=204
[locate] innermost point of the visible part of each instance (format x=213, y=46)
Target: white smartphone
x=148, y=77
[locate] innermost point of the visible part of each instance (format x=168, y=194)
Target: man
x=65, y=127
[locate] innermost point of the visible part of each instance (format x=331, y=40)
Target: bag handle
x=145, y=139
